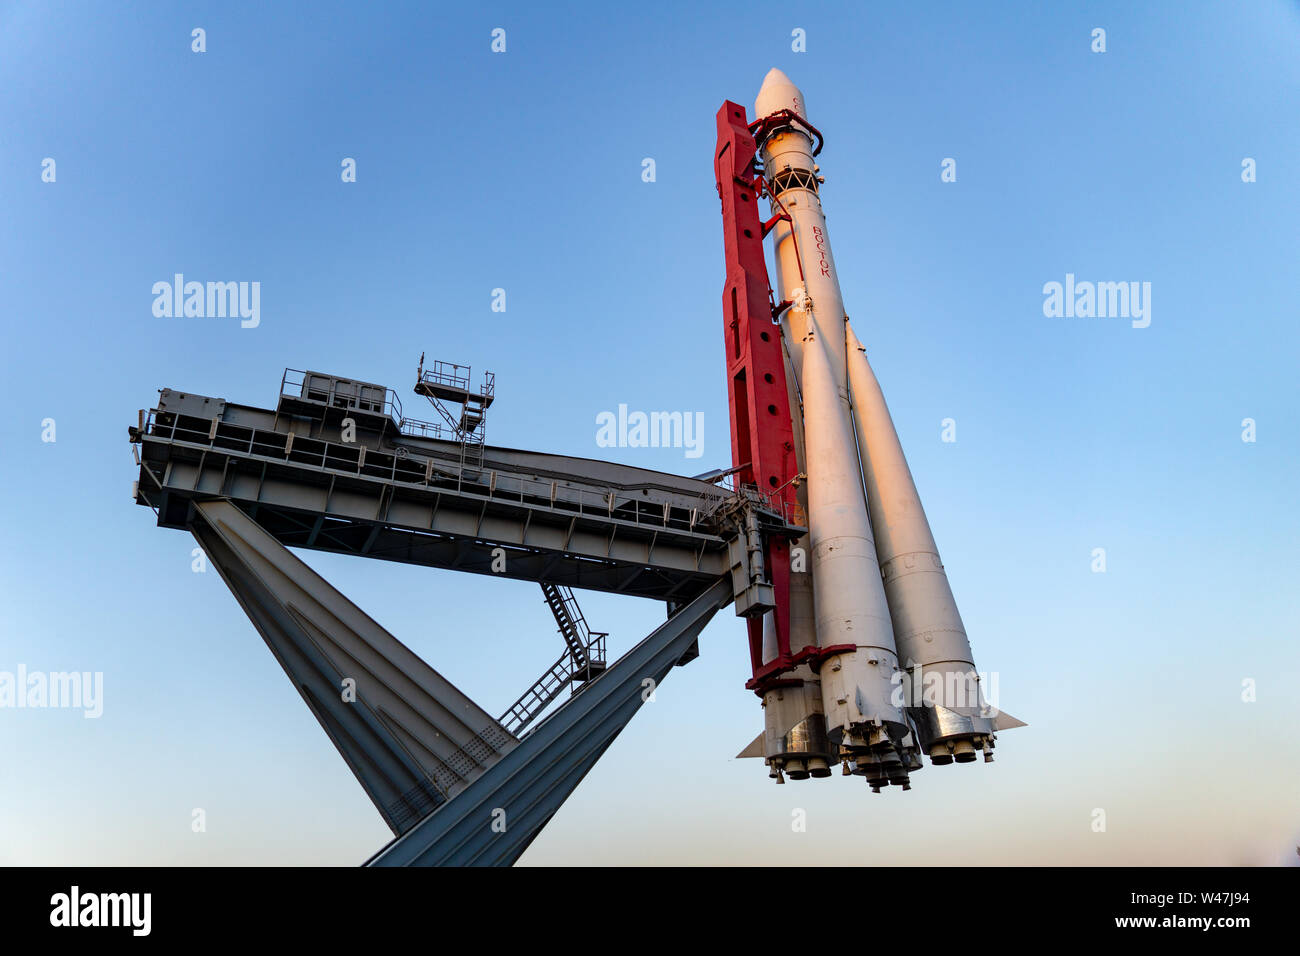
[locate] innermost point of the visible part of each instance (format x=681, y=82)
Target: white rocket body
x=900, y=679
x=860, y=679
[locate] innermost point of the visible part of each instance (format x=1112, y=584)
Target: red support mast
x=762, y=438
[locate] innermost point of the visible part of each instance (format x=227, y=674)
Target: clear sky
x=523, y=170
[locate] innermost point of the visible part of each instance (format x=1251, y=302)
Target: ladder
x=583, y=660
x=447, y=387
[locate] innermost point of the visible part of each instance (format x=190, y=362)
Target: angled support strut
x=497, y=816
x=411, y=738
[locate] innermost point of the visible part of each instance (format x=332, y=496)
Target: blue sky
x=522, y=171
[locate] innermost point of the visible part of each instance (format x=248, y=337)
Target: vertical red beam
x=762, y=439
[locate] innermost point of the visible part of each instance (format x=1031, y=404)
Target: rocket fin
x=1004, y=721
x=755, y=748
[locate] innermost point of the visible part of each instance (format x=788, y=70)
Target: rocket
x=892, y=678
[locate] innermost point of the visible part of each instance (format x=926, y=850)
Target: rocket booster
x=949, y=712
x=895, y=674
x=794, y=736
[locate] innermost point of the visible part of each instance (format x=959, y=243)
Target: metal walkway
x=567, y=521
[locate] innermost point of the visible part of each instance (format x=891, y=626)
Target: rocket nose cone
x=778, y=93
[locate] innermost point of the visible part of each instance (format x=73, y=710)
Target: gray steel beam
x=438, y=528
x=411, y=738
x=383, y=493
x=475, y=510
x=496, y=817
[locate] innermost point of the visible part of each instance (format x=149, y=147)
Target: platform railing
x=608, y=502
x=449, y=374
x=418, y=429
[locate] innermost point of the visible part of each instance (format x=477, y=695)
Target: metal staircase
x=583, y=660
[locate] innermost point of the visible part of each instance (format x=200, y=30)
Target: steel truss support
x=497, y=816
x=411, y=738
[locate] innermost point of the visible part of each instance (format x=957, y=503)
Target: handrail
x=346, y=458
